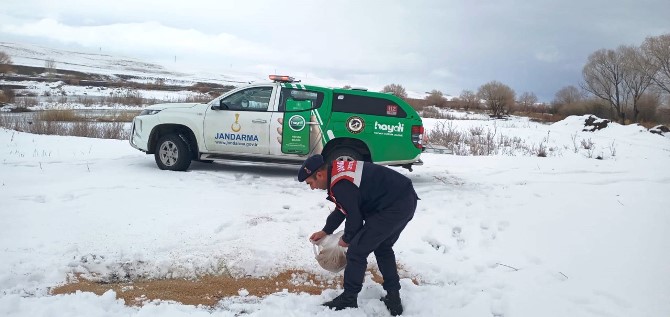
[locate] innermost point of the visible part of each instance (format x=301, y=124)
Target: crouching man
x=377, y=203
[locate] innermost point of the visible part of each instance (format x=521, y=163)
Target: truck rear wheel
x=344, y=154
x=172, y=153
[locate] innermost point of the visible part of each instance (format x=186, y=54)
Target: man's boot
x=393, y=303
x=345, y=300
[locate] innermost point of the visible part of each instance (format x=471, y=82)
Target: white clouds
x=423, y=44
x=297, y=50
x=442, y=73
x=146, y=36
x=548, y=55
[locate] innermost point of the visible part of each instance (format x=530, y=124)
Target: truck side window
x=297, y=94
x=252, y=99
x=367, y=105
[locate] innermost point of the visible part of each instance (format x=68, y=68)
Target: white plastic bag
x=330, y=255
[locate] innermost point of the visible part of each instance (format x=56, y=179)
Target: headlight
x=147, y=112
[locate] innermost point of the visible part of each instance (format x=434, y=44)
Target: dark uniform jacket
x=360, y=189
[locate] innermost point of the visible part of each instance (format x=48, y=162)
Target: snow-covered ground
x=564, y=138
x=87, y=97
x=52, y=94
x=565, y=235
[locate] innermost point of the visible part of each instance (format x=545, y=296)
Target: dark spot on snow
x=593, y=123
x=659, y=129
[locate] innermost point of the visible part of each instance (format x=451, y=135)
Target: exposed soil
x=208, y=290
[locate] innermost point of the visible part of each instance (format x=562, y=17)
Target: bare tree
x=50, y=66
x=5, y=63
x=469, y=99
x=568, y=95
x=436, y=98
x=396, y=89
x=604, y=78
x=657, y=51
x=526, y=101
x=638, y=74
x=498, y=96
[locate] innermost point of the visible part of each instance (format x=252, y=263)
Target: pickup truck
x=282, y=121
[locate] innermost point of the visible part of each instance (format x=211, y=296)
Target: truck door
x=295, y=137
x=295, y=125
x=240, y=123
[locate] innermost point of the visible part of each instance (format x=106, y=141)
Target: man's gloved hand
x=316, y=236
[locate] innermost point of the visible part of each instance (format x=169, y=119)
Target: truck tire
x=172, y=153
x=344, y=154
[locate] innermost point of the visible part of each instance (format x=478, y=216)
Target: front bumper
x=137, y=139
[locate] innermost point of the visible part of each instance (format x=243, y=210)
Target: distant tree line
x=630, y=78
x=627, y=84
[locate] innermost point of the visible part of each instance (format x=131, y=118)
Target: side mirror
x=221, y=106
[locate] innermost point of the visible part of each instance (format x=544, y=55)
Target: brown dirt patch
x=208, y=290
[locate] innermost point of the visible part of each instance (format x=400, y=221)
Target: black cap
x=310, y=166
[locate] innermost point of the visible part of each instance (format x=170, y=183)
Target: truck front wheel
x=172, y=153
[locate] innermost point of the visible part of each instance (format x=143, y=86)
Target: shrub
x=542, y=150
x=201, y=88
x=127, y=97
x=7, y=95
x=468, y=99
x=59, y=115
x=417, y=104
x=25, y=102
x=499, y=98
x=432, y=112
x=478, y=141
x=545, y=117
x=5, y=63
x=663, y=115
x=436, y=98
x=85, y=101
x=200, y=98
x=124, y=116
x=586, y=107
x=396, y=89
x=83, y=129
x=71, y=115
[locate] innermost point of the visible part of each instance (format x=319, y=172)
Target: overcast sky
x=537, y=46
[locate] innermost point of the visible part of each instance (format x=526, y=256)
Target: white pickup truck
x=284, y=122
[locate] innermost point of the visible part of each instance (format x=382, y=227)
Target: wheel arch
x=185, y=132
x=355, y=144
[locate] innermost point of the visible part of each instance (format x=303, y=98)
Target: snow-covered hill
x=100, y=63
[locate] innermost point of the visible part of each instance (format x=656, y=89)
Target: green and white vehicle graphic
x=282, y=121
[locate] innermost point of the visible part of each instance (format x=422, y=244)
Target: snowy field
x=74, y=96
x=177, y=73
x=564, y=235
x=111, y=65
